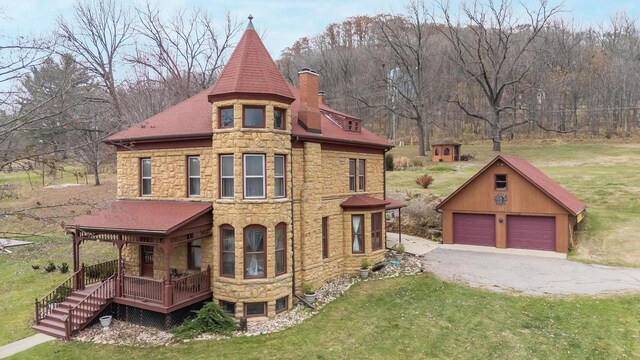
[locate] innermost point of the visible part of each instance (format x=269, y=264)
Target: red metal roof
x=251, y=70
x=363, y=201
x=142, y=216
x=394, y=204
x=536, y=177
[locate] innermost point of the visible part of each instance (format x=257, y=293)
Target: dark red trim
x=222, y=228
x=495, y=182
x=220, y=117
x=266, y=311
x=244, y=251
x=362, y=226
x=351, y=148
x=250, y=96
x=286, y=304
x=284, y=118
x=284, y=226
x=164, y=144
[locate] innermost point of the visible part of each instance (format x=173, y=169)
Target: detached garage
x=511, y=204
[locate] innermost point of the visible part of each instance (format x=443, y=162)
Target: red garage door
x=531, y=232
x=474, y=229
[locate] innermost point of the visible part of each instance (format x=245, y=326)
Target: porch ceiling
x=150, y=217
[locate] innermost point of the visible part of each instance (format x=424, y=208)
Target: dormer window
x=278, y=119
x=501, y=182
x=352, y=125
x=226, y=118
x=253, y=116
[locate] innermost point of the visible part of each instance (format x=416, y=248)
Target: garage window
x=501, y=182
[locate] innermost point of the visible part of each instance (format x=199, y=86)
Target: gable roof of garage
x=536, y=177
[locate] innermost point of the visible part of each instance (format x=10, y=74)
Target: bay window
x=226, y=176
x=357, y=234
x=254, y=169
x=193, y=173
x=227, y=251
x=376, y=231
x=255, y=255
x=281, y=249
x=279, y=176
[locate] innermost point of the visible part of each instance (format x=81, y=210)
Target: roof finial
x=250, y=26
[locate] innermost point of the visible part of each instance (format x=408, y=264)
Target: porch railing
x=143, y=288
x=99, y=272
x=188, y=286
x=82, y=312
x=51, y=301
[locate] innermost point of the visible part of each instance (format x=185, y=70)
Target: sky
x=280, y=21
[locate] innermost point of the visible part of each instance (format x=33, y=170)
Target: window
x=226, y=176
x=325, y=237
x=281, y=249
x=357, y=234
x=437, y=152
x=255, y=257
x=145, y=177
x=282, y=304
x=279, y=176
x=228, y=307
x=193, y=172
x=195, y=254
x=361, y=175
x=255, y=309
x=279, y=119
x=227, y=251
x=501, y=182
x=226, y=118
x=253, y=117
x=254, y=176
x=352, y=175
x=447, y=151
x=376, y=231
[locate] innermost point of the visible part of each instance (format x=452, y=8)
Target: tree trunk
x=496, y=132
x=421, y=145
x=96, y=172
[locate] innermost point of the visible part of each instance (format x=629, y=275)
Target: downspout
x=293, y=228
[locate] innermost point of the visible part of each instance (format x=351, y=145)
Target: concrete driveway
x=529, y=275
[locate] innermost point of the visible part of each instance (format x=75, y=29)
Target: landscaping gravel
x=126, y=334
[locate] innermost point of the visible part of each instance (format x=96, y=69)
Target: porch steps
x=54, y=323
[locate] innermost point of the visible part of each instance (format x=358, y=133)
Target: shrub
x=424, y=180
x=400, y=163
x=210, y=319
x=467, y=157
x=59, y=295
x=365, y=264
x=35, y=267
x=51, y=267
x=399, y=248
x=388, y=161
x=417, y=162
x=64, y=268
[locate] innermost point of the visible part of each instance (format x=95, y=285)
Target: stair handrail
x=107, y=288
x=56, y=296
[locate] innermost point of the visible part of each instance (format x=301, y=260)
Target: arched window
x=255, y=255
x=446, y=151
x=227, y=251
x=281, y=248
x=437, y=152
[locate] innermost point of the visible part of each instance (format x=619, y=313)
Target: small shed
x=445, y=151
x=511, y=204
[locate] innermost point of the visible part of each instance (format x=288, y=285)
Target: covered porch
x=159, y=244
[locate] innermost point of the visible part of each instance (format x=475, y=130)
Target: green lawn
x=605, y=176
x=418, y=317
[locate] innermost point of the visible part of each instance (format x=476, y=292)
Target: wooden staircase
x=63, y=313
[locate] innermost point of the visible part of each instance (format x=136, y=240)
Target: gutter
x=293, y=228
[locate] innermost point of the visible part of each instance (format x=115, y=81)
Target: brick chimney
x=321, y=96
x=309, y=111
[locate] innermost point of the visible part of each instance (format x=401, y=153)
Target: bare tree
x=185, y=52
x=493, y=50
x=101, y=31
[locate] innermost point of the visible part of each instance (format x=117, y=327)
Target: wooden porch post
x=399, y=225
x=167, y=298
x=119, y=276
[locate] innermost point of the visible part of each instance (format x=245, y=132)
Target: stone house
x=242, y=193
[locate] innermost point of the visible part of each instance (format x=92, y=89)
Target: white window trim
x=143, y=178
x=227, y=176
x=245, y=176
x=283, y=177
x=189, y=176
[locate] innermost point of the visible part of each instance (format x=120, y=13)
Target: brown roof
x=161, y=217
x=363, y=201
x=446, y=143
x=250, y=70
x=394, y=204
x=536, y=177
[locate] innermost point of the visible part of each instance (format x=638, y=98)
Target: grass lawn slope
x=418, y=317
